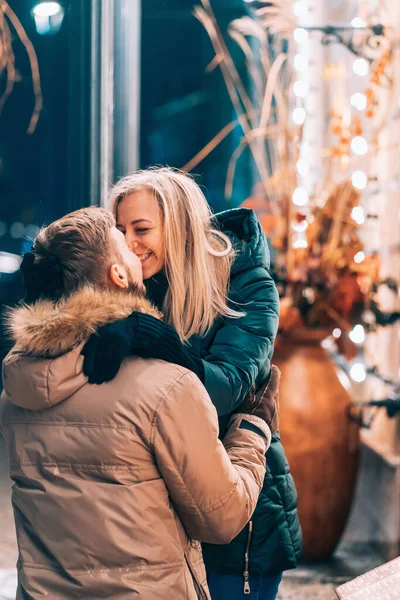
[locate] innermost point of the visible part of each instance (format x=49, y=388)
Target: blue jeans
x=231, y=587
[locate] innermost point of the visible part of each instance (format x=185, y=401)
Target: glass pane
x=44, y=170
x=184, y=104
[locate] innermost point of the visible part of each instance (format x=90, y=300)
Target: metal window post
x=115, y=93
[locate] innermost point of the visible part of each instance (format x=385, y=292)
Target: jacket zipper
x=246, y=589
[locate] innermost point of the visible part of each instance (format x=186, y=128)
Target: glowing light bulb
x=300, y=62
x=359, y=257
x=300, y=197
x=359, y=180
x=300, y=8
x=298, y=244
x=357, y=214
x=299, y=226
x=299, y=115
x=46, y=9
x=359, y=145
x=302, y=167
x=357, y=373
x=359, y=101
x=326, y=344
x=361, y=67
x=357, y=334
x=300, y=35
x=358, y=23
x=336, y=333
x=300, y=89
x=309, y=293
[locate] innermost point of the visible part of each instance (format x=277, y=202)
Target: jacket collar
x=49, y=329
x=249, y=242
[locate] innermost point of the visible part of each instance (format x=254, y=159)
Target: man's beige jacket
x=113, y=483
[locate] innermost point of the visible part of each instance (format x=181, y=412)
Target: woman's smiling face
x=139, y=218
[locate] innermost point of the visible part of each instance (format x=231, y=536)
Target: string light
x=357, y=334
x=359, y=257
x=300, y=62
x=300, y=89
x=299, y=115
x=299, y=9
x=361, y=67
x=358, y=23
x=300, y=197
x=300, y=244
x=300, y=226
x=357, y=214
x=359, y=101
x=359, y=145
x=309, y=293
x=336, y=333
x=357, y=373
x=300, y=35
x=359, y=180
x=302, y=168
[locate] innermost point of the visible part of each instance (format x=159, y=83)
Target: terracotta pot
x=321, y=443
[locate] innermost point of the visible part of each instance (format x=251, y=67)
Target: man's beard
x=134, y=287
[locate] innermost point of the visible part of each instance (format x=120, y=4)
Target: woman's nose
x=132, y=243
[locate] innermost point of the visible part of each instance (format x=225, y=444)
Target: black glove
x=139, y=334
x=264, y=403
x=42, y=279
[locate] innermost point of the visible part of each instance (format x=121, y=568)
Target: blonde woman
x=209, y=275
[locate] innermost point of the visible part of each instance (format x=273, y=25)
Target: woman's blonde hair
x=198, y=257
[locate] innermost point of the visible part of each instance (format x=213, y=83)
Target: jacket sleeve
x=243, y=346
x=214, y=486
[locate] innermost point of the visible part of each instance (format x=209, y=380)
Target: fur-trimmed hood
x=48, y=329
x=45, y=366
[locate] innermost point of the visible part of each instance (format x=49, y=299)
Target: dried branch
x=247, y=51
x=9, y=62
x=212, y=144
x=232, y=167
x=269, y=90
x=6, y=46
x=237, y=92
x=278, y=17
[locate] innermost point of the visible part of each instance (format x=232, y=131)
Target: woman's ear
x=119, y=276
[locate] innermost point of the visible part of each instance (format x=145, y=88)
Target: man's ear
x=119, y=276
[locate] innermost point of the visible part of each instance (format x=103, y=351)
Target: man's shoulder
x=150, y=389
x=167, y=397
x=156, y=380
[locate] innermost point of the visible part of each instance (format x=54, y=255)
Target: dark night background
x=46, y=175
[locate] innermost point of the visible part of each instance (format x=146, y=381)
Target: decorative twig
x=9, y=62
x=7, y=11
x=269, y=89
x=237, y=93
x=212, y=144
x=232, y=167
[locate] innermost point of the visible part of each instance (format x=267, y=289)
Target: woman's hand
x=265, y=402
x=106, y=349
x=139, y=334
